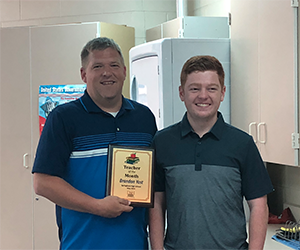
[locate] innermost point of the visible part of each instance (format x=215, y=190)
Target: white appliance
x=155, y=69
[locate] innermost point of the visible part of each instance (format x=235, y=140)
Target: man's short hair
x=99, y=43
x=202, y=63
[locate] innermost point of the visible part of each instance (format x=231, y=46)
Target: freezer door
x=144, y=85
x=182, y=50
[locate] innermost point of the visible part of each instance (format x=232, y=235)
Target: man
x=71, y=160
x=204, y=168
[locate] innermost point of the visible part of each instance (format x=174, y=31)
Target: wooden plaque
x=130, y=174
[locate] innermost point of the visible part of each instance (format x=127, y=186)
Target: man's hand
x=113, y=206
x=63, y=194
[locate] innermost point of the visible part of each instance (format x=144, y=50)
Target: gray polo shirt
x=205, y=180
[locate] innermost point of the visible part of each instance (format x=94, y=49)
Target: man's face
x=202, y=95
x=104, y=75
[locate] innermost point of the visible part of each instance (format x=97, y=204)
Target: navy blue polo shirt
x=73, y=146
x=205, y=180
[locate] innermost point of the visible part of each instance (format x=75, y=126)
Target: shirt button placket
x=198, y=164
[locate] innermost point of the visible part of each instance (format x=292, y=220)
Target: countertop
x=271, y=244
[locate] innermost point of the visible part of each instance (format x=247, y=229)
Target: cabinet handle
x=24, y=161
x=259, y=134
x=250, y=130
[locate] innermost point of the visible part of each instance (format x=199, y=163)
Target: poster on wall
x=51, y=96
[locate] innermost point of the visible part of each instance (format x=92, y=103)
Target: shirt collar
x=216, y=130
x=89, y=105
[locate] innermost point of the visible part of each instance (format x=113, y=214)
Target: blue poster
x=51, y=96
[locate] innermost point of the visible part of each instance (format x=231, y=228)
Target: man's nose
x=202, y=93
x=106, y=71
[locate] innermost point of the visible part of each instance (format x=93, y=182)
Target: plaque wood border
x=139, y=162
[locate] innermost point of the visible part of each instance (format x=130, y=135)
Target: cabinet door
x=15, y=144
x=31, y=57
x=245, y=92
x=55, y=56
x=262, y=76
x=276, y=48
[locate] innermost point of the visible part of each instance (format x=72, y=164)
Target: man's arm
x=63, y=194
x=157, y=222
x=258, y=222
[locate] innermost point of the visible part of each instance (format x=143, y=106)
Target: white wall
x=210, y=8
x=140, y=14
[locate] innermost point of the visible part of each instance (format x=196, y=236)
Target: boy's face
x=202, y=95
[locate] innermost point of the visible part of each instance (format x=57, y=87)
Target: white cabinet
x=262, y=76
x=190, y=27
x=33, y=56
x=15, y=141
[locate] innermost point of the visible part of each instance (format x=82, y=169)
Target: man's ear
x=83, y=74
x=223, y=93
x=181, y=93
x=125, y=73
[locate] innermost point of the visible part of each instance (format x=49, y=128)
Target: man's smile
x=107, y=82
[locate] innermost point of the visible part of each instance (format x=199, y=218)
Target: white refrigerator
x=155, y=69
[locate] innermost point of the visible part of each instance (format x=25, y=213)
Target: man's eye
x=115, y=65
x=212, y=89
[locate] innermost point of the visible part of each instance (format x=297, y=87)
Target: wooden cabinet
x=33, y=56
x=262, y=76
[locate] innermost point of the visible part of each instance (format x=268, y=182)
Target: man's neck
x=109, y=105
x=202, y=126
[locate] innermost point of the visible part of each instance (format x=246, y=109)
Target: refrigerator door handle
x=133, y=88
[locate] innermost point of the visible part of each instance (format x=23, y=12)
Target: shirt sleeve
x=159, y=184
x=255, y=178
x=55, y=146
